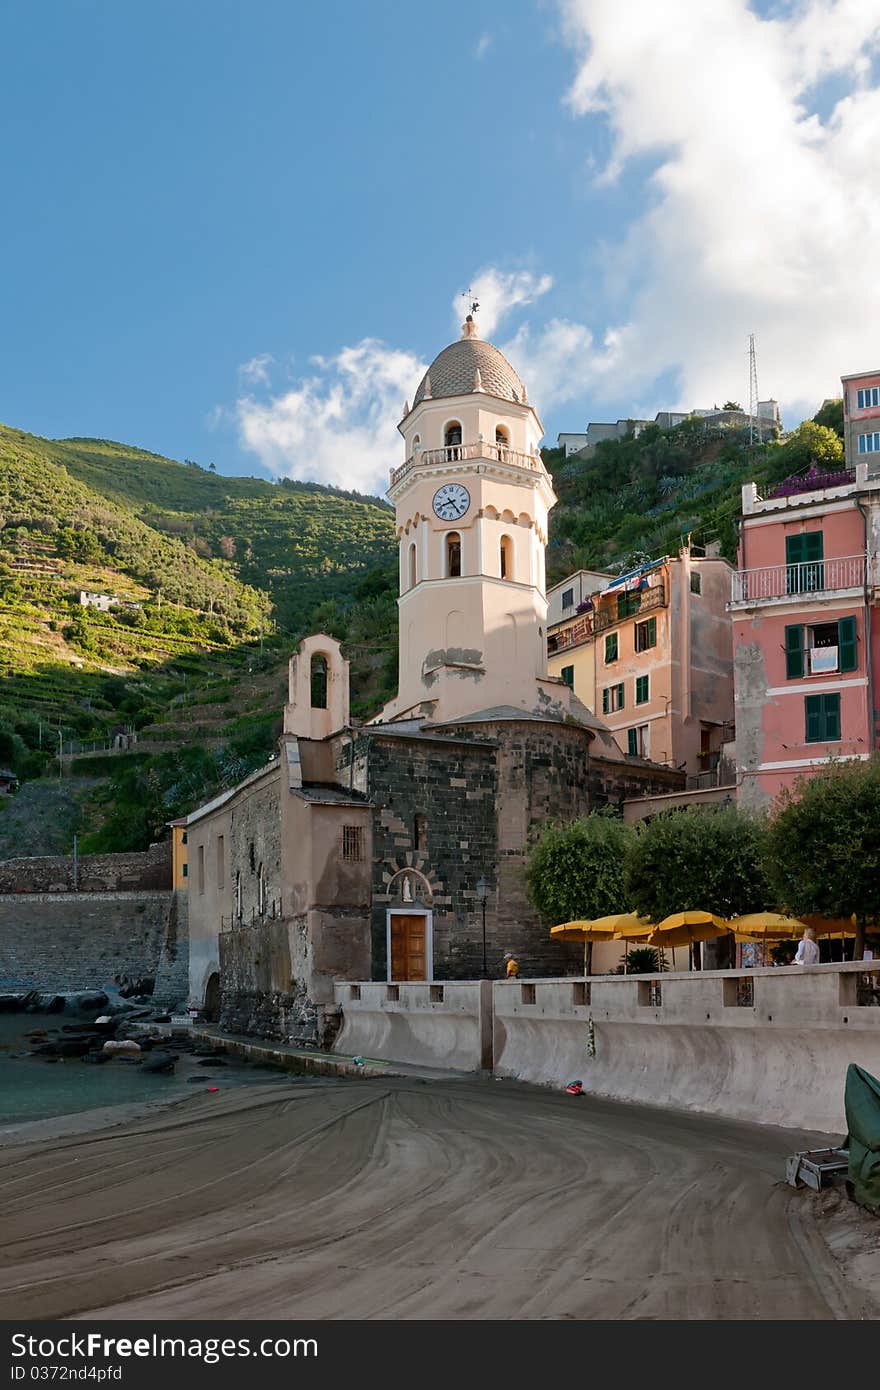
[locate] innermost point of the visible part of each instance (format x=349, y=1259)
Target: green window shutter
x=611, y=647
x=632, y=742
x=794, y=652
x=641, y=690
x=794, y=550
x=831, y=712
x=185, y=871
x=567, y=674
x=847, y=656
x=813, y=708
x=813, y=546
x=620, y=696
x=606, y=701
x=652, y=632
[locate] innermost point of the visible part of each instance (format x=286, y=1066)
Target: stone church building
x=396, y=849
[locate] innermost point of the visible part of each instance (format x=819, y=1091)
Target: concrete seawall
x=765, y=1045
x=443, y=1025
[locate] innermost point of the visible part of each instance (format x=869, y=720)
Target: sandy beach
x=398, y=1198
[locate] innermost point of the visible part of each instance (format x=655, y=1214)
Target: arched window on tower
x=506, y=558
x=417, y=444
x=319, y=681
x=453, y=555
x=502, y=441
x=412, y=565
x=452, y=439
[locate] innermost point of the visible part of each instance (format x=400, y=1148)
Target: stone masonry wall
x=80, y=940
x=96, y=873
x=453, y=785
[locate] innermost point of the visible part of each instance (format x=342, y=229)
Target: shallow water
x=32, y=1089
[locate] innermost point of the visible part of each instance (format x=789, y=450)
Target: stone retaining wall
x=72, y=941
x=149, y=870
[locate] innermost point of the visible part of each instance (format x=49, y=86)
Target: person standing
x=511, y=969
x=808, y=949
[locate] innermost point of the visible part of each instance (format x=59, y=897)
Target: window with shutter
x=632, y=740
x=822, y=718
x=567, y=674
x=803, y=556
x=611, y=648
x=606, y=701
x=794, y=652
x=846, y=645
x=642, y=687
x=619, y=690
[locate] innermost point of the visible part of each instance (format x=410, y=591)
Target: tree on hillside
x=831, y=416
x=576, y=871
x=731, y=405
x=812, y=443
x=823, y=844
x=698, y=860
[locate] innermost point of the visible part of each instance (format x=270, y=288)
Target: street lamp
x=482, y=894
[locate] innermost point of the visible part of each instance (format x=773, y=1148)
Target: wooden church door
x=408, y=947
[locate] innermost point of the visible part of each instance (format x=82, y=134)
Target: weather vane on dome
x=475, y=303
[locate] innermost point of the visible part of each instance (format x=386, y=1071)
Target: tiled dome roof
x=454, y=371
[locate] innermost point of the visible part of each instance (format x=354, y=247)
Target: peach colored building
x=804, y=612
x=653, y=658
x=861, y=416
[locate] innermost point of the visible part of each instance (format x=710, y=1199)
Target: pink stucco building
x=805, y=627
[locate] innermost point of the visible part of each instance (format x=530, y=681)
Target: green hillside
x=637, y=498
x=212, y=582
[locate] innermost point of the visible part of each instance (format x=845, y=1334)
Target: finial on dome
x=469, y=328
x=426, y=394
x=525, y=395
x=406, y=407
x=478, y=380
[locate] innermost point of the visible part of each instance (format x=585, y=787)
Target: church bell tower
x=471, y=502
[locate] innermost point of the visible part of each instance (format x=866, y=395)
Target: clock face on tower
x=451, y=501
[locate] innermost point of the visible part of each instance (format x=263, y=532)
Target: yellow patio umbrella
x=584, y=931
x=830, y=926
x=626, y=926
x=684, y=928
x=766, y=926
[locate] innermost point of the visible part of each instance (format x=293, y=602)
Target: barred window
x=353, y=843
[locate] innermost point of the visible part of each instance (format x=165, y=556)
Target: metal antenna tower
x=754, y=432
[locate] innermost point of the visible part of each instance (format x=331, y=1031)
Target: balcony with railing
x=637, y=602
x=578, y=631
x=466, y=453
x=811, y=579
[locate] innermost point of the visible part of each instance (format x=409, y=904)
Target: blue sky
x=204, y=197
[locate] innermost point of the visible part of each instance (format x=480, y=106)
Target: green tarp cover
x=862, y=1102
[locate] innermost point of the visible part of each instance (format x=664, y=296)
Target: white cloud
x=339, y=425
x=484, y=43
x=760, y=215
x=498, y=292
x=257, y=370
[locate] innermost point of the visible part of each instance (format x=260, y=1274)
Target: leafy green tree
x=812, y=443
x=575, y=872
x=698, y=860
x=823, y=844
x=831, y=416
x=731, y=405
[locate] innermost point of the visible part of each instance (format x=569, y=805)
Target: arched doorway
x=211, y=1008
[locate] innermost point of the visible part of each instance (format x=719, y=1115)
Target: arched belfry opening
x=452, y=438
x=318, y=681
x=318, y=698
x=411, y=571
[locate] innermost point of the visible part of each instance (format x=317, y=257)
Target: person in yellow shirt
x=511, y=967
